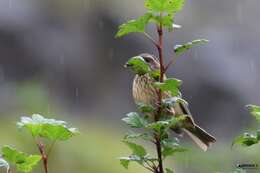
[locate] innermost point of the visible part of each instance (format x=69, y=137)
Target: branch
x=157, y=117
x=169, y=64
x=41, y=148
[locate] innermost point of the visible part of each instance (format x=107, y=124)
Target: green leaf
x=166, y=21
x=145, y=108
x=171, y=146
x=132, y=136
x=48, y=128
x=168, y=6
x=4, y=164
x=169, y=170
x=171, y=151
x=137, y=25
x=158, y=126
x=155, y=74
x=138, y=65
x=135, y=120
x=170, y=102
x=125, y=161
x=180, y=49
x=163, y=125
x=137, y=150
x=246, y=140
x=255, y=111
x=178, y=121
x=170, y=142
x=172, y=85
x=23, y=162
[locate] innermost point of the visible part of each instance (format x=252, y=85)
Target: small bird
x=145, y=92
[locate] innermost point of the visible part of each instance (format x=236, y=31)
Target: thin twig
x=51, y=147
x=151, y=39
x=151, y=166
x=150, y=169
x=169, y=64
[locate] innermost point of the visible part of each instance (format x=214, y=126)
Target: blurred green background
x=60, y=59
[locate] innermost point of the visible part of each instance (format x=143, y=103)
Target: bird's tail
x=203, y=139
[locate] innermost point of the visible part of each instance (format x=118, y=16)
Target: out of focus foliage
x=249, y=139
x=23, y=162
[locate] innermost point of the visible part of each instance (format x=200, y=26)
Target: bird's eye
x=147, y=59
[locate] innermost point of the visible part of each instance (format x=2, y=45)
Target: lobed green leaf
x=171, y=146
x=138, y=65
x=136, y=149
x=180, y=49
x=132, y=136
x=172, y=85
x=158, y=126
x=167, y=6
x=48, y=128
x=166, y=21
x=125, y=161
x=137, y=25
x=135, y=120
x=171, y=151
x=145, y=108
x=163, y=125
x=246, y=140
x=23, y=162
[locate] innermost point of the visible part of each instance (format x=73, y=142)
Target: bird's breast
x=143, y=90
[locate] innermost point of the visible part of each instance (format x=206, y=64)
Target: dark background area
x=60, y=58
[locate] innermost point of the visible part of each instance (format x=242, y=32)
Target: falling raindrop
x=10, y=3
x=62, y=59
x=86, y=3
x=195, y=54
x=2, y=77
x=239, y=12
x=48, y=109
x=111, y=54
x=101, y=24
x=187, y=161
x=77, y=92
x=252, y=65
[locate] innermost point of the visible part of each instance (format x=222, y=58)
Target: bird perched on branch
x=145, y=92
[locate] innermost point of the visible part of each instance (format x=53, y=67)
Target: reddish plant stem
x=41, y=148
x=157, y=117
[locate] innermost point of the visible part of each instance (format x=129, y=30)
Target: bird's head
x=143, y=64
x=151, y=60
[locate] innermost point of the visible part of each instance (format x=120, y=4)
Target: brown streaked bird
x=145, y=92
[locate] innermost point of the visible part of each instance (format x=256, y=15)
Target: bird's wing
x=182, y=108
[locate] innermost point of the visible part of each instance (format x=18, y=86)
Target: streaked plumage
x=145, y=92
